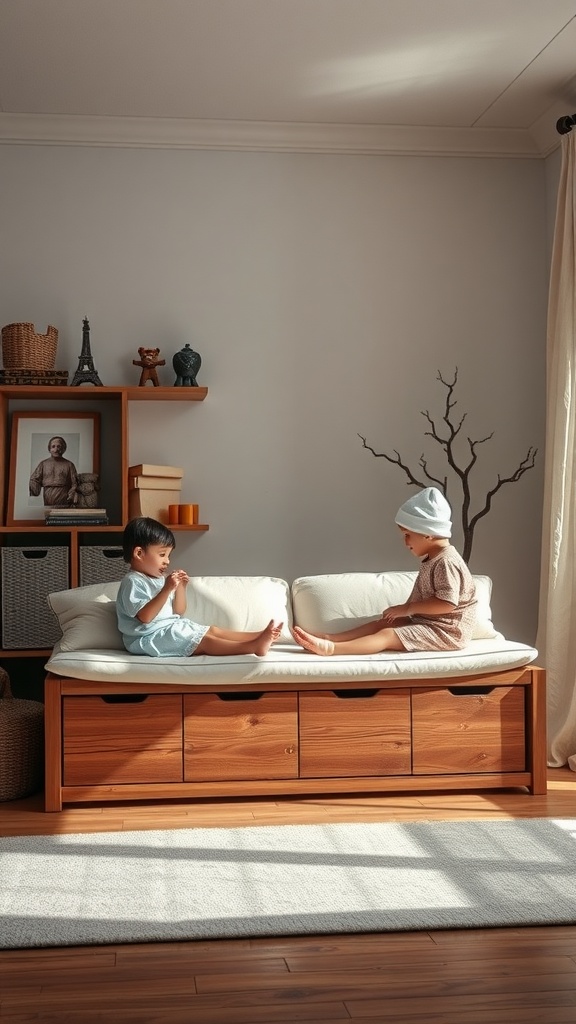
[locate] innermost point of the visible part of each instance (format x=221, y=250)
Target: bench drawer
x=240, y=735
x=354, y=733
x=468, y=730
x=122, y=738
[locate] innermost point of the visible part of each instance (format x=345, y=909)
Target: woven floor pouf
x=21, y=743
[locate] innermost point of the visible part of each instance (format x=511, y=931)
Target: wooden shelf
x=93, y=528
x=178, y=528
x=166, y=394
x=133, y=394
x=28, y=652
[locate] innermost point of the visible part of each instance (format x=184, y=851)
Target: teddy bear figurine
x=149, y=361
x=87, y=490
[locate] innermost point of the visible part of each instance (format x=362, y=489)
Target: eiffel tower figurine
x=86, y=372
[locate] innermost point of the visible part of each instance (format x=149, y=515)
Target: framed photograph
x=47, y=451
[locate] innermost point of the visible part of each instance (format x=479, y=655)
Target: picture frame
x=30, y=435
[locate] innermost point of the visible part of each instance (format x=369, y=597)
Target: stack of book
x=75, y=516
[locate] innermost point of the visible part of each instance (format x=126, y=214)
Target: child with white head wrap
x=440, y=613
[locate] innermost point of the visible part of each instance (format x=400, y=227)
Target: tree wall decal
x=446, y=437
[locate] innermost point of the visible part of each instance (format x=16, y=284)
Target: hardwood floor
x=499, y=976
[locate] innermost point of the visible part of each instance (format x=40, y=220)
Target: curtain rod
x=564, y=124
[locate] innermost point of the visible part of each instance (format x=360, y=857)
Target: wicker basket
x=22, y=747
x=101, y=565
x=23, y=348
x=28, y=576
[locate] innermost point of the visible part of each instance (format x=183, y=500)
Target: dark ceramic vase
x=186, y=364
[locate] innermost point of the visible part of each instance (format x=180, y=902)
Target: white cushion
x=484, y=626
x=240, y=602
x=338, y=601
x=290, y=664
x=87, y=615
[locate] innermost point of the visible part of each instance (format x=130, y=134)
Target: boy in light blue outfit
x=151, y=604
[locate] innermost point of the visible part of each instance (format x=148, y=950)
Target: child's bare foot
x=314, y=644
x=277, y=632
x=264, y=642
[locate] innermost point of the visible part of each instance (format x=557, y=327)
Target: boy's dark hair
x=143, y=531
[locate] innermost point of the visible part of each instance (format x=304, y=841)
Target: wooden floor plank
x=475, y=1008
x=460, y=960
x=321, y=945
x=318, y=1013
x=127, y=974
x=487, y=976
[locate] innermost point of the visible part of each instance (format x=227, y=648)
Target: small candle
x=188, y=515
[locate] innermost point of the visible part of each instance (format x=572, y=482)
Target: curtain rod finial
x=564, y=124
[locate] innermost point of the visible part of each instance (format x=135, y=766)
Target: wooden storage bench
x=108, y=741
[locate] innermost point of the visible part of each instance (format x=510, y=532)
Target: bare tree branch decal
x=446, y=435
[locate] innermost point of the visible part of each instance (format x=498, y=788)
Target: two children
x=439, y=615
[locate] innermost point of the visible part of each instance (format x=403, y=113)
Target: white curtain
x=556, y=640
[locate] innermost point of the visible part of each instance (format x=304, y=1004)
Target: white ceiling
x=466, y=76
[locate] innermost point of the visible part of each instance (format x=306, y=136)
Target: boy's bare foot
x=277, y=632
x=264, y=642
x=314, y=644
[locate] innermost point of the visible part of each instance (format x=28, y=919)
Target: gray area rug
x=199, y=883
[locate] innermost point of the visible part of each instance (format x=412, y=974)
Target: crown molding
x=264, y=136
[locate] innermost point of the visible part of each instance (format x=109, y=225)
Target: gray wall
x=324, y=293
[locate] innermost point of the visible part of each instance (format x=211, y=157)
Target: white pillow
x=240, y=602
x=87, y=615
x=484, y=626
x=334, y=602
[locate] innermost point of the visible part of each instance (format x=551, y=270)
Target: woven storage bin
x=24, y=348
x=101, y=565
x=22, y=746
x=28, y=576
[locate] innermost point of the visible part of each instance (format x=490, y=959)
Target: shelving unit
x=113, y=405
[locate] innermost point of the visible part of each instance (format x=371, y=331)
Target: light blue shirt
x=168, y=635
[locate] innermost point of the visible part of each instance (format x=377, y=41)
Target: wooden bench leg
x=53, y=744
x=536, y=738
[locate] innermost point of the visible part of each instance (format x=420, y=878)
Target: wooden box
x=354, y=733
x=122, y=738
x=468, y=730
x=239, y=735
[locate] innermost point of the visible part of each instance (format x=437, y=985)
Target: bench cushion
x=331, y=603
x=290, y=664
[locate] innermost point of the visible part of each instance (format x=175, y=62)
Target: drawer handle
x=239, y=696
x=32, y=553
x=343, y=694
x=470, y=691
x=124, y=698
